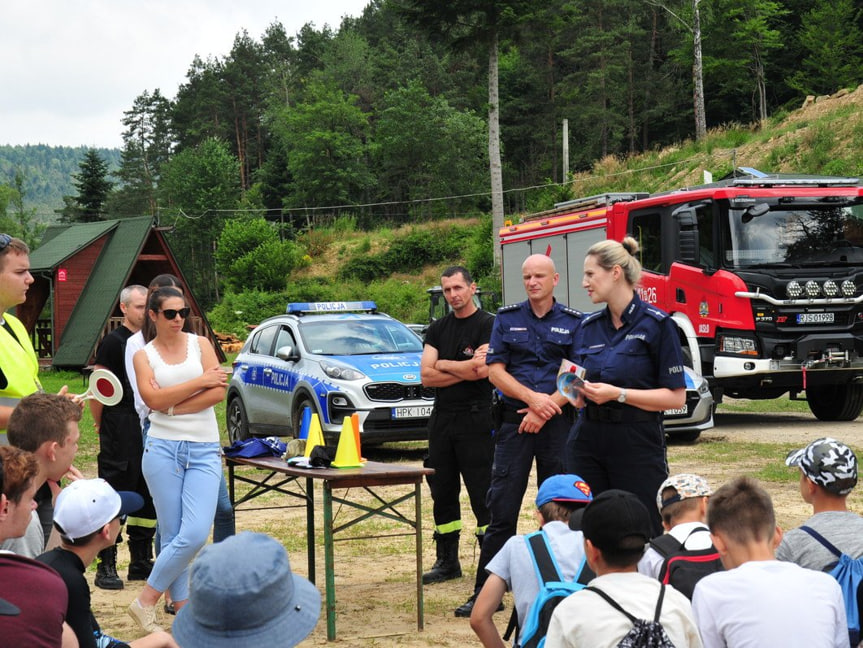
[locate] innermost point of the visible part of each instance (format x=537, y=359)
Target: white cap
x=86, y=505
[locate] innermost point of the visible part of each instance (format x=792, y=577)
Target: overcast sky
x=69, y=68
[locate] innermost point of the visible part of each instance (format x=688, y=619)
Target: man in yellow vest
x=19, y=366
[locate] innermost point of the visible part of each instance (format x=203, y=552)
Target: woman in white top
x=180, y=380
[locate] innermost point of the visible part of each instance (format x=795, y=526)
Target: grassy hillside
x=395, y=266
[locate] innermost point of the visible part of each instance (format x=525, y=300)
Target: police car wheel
x=237, y=422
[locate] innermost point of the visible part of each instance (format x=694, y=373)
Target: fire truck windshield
x=794, y=237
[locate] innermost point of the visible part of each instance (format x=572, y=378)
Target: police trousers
x=514, y=455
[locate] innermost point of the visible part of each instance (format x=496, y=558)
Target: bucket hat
x=242, y=594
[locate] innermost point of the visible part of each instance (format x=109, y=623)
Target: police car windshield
x=358, y=337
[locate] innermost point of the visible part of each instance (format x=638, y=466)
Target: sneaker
x=145, y=616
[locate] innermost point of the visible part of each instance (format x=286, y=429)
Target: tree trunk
x=698, y=75
x=494, y=147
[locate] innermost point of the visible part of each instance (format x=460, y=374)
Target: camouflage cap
x=827, y=462
x=687, y=486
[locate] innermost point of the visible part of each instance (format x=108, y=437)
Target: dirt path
x=374, y=578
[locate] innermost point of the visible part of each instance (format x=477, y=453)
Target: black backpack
x=643, y=634
x=552, y=590
x=682, y=568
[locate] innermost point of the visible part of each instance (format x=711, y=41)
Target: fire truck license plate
x=815, y=318
x=412, y=412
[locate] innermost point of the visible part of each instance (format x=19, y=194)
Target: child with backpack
x=685, y=553
x=828, y=474
x=514, y=568
x=620, y=605
x=760, y=601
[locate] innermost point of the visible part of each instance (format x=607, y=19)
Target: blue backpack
x=552, y=590
x=849, y=572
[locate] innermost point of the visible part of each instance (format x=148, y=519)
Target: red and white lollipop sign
x=105, y=387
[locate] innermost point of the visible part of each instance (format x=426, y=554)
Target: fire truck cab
x=763, y=275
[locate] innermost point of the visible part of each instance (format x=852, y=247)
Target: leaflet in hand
x=570, y=379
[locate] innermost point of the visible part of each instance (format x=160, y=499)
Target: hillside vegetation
x=394, y=266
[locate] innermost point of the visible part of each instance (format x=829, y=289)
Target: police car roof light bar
x=305, y=308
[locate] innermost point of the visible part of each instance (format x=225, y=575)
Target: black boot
x=106, y=571
x=466, y=608
x=447, y=566
x=141, y=559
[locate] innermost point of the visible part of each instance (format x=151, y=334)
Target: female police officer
x=632, y=355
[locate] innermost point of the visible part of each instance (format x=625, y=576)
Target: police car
x=336, y=358
x=696, y=415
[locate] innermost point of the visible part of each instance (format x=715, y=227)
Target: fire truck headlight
x=830, y=288
x=812, y=289
x=738, y=345
x=793, y=289
x=848, y=288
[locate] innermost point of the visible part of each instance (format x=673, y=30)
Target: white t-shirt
x=586, y=620
x=651, y=563
x=514, y=564
x=134, y=344
x=770, y=603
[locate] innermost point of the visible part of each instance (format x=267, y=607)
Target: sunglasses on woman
x=171, y=313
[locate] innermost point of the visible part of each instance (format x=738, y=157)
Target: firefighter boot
x=140, y=559
x=106, y=571
x=446, y=566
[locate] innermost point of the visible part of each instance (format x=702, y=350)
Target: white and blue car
x=336, y=358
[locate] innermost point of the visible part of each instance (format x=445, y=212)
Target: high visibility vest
x=19, y=363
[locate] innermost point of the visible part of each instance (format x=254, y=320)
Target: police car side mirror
x=287, y=353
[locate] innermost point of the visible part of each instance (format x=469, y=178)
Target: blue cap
x=563, y=488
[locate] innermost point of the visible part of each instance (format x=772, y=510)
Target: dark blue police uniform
x=532, y=348
x=616, y=445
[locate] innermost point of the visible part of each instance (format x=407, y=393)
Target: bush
x=237, y=311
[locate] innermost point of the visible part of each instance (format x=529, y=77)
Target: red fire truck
x=763, y=275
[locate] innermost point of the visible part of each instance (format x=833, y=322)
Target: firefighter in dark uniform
x=631, y=351
x=461, y=445
x=528, y=342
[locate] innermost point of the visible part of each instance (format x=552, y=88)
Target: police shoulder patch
x=655, y=313
x=590, y=317
x=508, y=308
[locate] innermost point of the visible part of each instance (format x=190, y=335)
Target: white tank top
x=200, y=426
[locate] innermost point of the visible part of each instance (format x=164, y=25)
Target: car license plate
x=420, y=411
x=815, y=318
x=679, y=411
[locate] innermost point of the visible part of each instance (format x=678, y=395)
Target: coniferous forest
x=417, y=110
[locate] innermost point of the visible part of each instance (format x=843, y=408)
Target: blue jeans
x=183, y=478
x=223, y=524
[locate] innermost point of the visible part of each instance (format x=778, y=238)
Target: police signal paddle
x=104, y=387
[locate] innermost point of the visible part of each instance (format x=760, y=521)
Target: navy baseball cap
x=612, y=518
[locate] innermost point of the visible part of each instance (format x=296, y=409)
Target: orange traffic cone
x=355, y=421
x=315, y=437
x=347, y=454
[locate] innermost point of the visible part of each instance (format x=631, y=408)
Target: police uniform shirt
x=644, y=353
x=532, y=347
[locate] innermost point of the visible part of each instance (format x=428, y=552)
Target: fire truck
x=763, y=274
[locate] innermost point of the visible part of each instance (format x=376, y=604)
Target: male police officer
x=460, y=427
x=528, y=342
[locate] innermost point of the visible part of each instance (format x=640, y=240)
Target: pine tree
x=93, y=190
